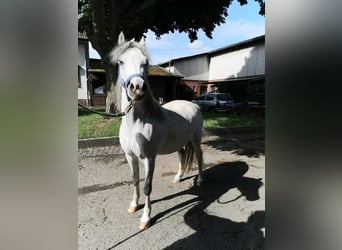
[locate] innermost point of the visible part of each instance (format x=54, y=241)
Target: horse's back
x=182, y=122
x=188, y=110
x=185, y=118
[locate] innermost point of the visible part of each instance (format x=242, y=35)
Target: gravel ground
x=227, y=212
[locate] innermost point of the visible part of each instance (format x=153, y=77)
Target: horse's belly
x=172, y=145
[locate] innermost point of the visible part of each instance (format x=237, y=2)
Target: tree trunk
x=104, y=32
x=111, y=75
x=111, y=79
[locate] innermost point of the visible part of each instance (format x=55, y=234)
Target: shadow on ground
x=212, y=232
x=250, y=145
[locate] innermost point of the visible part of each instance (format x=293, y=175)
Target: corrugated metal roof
x=165, y=64
x=237, y=45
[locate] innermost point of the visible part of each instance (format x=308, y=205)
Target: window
x=201, y=98
x=210, y=98
x=222, y=97
x=203, y=89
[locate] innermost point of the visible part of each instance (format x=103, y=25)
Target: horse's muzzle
x=135, y=89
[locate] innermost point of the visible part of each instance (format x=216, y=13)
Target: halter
x=124, y=83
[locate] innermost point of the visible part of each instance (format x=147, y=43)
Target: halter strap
x=124, y=83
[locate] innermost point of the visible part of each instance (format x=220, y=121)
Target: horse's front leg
x=149, y=168
x=134, y=166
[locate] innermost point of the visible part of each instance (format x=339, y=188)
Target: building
x=165, y=86
x=238, y=68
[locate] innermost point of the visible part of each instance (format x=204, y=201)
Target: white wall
x=82, y=62
x=224, y=64
x=240, y=63
x=194, y=68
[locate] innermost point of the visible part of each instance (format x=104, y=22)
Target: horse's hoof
x=132, y=209
x=176, y=181
x=144, y=225
x=199, y=183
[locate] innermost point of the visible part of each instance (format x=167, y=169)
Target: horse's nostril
x=134, y=86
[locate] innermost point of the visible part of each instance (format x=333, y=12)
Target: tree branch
x=100, y=39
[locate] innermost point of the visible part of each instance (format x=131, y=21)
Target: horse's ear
x=121, y=39
x=142, y=41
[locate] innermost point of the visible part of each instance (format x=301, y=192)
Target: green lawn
x=93, y=125
x=223, y=120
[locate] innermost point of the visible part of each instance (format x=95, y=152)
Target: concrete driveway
x=227, y=212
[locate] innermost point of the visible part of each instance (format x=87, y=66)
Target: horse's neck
x=147, y=108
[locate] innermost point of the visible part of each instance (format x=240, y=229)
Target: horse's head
x=132, y=61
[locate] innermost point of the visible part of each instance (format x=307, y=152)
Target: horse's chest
x=138, y=138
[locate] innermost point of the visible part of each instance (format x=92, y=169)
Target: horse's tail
x=188, y=157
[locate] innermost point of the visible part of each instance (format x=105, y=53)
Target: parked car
x=220, y=102
x=253, y=105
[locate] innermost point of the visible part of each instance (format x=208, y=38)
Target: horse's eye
x=120, y=62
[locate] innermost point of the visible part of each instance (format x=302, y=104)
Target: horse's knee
x=147, y=189
x=135, y=181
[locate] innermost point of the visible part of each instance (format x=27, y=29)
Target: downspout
x=89, y=100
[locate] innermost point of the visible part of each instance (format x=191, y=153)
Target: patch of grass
x=223, y=120
x=94, y=126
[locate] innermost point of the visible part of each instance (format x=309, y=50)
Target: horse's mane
x=120, y=49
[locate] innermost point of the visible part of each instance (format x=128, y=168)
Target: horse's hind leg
x=196, y=142
x=180, y=167
x=134, y=166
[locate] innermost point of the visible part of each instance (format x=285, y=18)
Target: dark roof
x=230, y=47
x=155, y=70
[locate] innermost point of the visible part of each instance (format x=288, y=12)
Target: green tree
x=102, y=20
